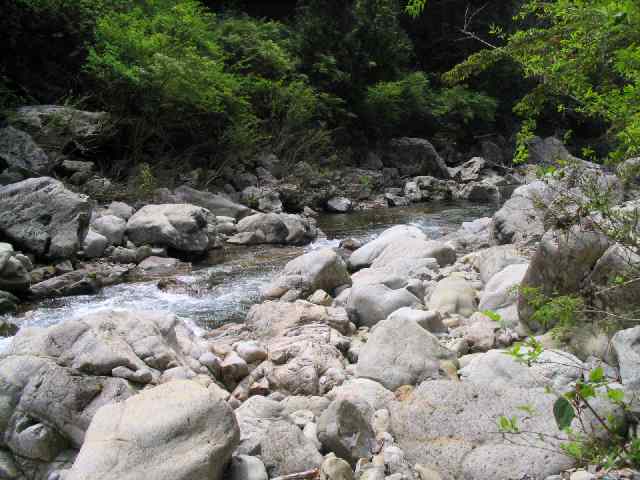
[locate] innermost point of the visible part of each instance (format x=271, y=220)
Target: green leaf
x=596, y=375
x=563, y=412
x=586, y=390
x=615, y=395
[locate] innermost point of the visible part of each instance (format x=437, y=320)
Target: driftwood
x=306, y=475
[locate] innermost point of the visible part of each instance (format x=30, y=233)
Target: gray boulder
x=500, y=295
x=217, y=204
x=372, y=302
x=553, y=368
x=41, y=216
x=8, y=304
x=454, y=295
x=182, y=227
x=470, y=170
x=400, y=352
x=402, y=241
x=365, y=389
x=345, y=429
x=480, y=192
x=162, y=266
x=414, y=156
x=111, y=227
x=492, y=260
x=269, y=434
x=274, y=228
x=120, y=209
x=339, y=205
x=14, y=274
x=58, y=128
x=563, y=260
x=625, y=344
x=94, y=244
x=548, y=151
x=452, y=427
x=273, y=319
x=262, y=199
x=20, y=153
x=471, y=236
x=177, y=431
x=245, y=467
x=317, y=270
x=521, y=218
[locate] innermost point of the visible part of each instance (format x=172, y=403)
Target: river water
x=224, y=287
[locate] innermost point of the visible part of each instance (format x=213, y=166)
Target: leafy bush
x=393, y=107
x=584, y=59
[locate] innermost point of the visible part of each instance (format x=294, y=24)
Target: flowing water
x=224, y=287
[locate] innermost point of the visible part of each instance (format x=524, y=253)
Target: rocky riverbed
x=197, y=337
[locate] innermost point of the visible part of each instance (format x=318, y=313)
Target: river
x=223, y=288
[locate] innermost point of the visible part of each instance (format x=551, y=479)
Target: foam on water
x=230, y=287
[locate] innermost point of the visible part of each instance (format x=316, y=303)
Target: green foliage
x=563, y=312
x=146, y=180
x=563, y=413
x=584, y=59
x=415, y=7
x=392, y=107
x=178, y=73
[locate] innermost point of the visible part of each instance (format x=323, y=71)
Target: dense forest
x=220, y=80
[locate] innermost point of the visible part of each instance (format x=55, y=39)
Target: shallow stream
x=223, y=288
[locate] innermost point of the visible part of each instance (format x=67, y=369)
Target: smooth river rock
x=177, y=431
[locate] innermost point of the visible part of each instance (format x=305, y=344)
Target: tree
x=584, y=59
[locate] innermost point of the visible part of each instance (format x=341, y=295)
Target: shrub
x=393, y=107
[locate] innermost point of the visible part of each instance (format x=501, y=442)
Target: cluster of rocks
x=368, y=362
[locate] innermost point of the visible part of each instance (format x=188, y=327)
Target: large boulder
x=182, y=227
x=491, y=261
x=345, y=429
x=552, y=368
x=317, y=270
x=625, y=344
x=339, y=205
x=414, y=156
x=521, y=218
x=14, y=273
x=19, y=153
x=616, y=263
x=273, y=319
x=548, y=151
x=401, y=352
x=371, y=302
x=481, y=192
x=452, y=426
x=471, y=236
x=217, y=204
x=111, y=227
x=59, y=128
x=402, y=241
x=274, y=228
x=563, y=260
x=363, y=389
x=454, y=295
x=500, y=295
x=268, y=433
x=54, y=380
x=470, y=170
x=41, y=216
x=177, y=431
